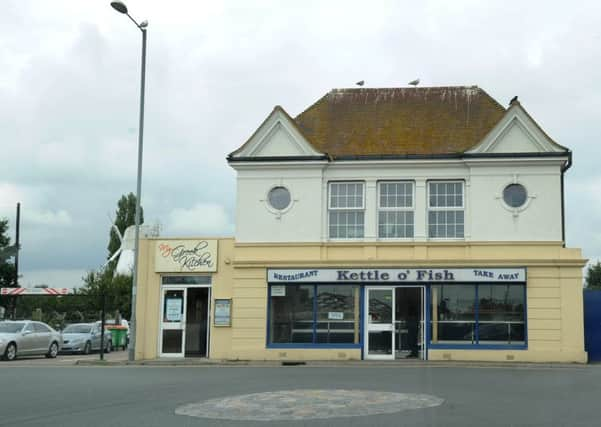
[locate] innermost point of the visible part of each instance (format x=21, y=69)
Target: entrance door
x=409, y=322
x=380, y=339
x=173, y=325
x=197, y=322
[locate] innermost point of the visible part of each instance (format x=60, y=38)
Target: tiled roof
x=399, y=121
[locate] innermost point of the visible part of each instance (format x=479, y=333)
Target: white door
x=173, y=322
x=379, y=323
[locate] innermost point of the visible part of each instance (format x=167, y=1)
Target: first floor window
x=314, y=314
x=445, y=210
x=477, y=314
x=395, y=209
x=346, y=216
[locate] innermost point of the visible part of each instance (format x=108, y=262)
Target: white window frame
x=354, y=209
x=395, y=209
x=446, y=208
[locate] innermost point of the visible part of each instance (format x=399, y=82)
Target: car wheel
x=109, y=347
x=52, y=351
x=87, y=348
x=11, y=352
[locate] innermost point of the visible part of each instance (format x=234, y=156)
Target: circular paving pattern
x=307, y=404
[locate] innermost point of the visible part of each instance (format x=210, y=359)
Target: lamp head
x=119, y=6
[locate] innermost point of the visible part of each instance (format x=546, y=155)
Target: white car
x=27, y=338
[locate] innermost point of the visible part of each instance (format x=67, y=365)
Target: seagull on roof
x=514, y=99
x=360, y=83
x=414, y=82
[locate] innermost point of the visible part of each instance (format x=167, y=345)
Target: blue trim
x=478, y=346
x=314, y=338
x=525, y=315
x=268, y=329
x=427, y=320
x=477, y=316
x=362, y=320
x=309, y=345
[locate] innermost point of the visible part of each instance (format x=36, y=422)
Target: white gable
x=277, y=137
x=517, y=133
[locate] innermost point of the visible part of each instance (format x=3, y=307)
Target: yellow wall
x=554, y=294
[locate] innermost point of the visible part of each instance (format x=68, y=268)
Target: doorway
x=394, y=323
x=184, y=324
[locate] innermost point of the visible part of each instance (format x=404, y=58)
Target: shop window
x=445, y=210
x=395, y=210
x=314, y=315
x=346, y=210
x=477, y=314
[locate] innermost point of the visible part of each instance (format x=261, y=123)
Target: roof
x=399, y=121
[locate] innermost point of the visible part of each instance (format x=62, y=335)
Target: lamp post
x=122, y=8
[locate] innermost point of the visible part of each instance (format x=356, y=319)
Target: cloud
x=203, y=219
x=59, y=218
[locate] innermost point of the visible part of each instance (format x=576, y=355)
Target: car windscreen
x=11, y=327
x=78, y=329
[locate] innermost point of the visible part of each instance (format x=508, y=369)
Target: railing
x=489, y=331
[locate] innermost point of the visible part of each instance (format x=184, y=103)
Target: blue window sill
x=316, y=346
x=478, y=347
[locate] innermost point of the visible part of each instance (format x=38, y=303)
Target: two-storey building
x=393, y=223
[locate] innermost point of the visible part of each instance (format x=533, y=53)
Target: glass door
x=173, y=322
x=380, y=339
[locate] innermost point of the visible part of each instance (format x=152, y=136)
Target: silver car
x=84, y=338
x=27, y=338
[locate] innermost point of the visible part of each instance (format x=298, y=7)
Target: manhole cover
x=307, y=404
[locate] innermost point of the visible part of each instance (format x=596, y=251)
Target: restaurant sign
x=181, y=256
x=397, y=275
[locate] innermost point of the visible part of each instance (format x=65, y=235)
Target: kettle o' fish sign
x=180, y=256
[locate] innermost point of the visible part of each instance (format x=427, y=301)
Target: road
x=148, y=396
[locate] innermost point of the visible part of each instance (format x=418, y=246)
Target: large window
x=445, y=209
x=314, y=314
x=395, y=210
x=346, y=206
x=477, y=314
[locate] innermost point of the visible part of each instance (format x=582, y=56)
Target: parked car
x=85, y=338
x=26, y=337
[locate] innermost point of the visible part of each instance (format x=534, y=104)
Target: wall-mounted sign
x=173, y=310
x=180, y=256
x=335, y=315
x=223, y=312
x=396, y=275
x=278, y=291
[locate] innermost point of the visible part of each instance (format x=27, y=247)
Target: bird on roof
x=514, y=99
x=360, y=83
x=414, y=82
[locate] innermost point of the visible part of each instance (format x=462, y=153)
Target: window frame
x=430, y=208
x=346, y=209
x=475, y=345
x=314, y=343
x=395, y=209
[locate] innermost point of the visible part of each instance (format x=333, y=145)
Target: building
x=381, y=224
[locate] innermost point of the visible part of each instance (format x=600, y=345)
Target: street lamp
x=120, y=7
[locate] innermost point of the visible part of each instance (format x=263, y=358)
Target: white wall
x=486, y=217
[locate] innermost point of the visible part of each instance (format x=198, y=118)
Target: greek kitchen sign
x=181, y=256
x=393, y=275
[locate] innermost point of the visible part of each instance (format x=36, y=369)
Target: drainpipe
x=564, y=168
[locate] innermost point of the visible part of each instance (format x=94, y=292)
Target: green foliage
x=117, y=291
x=593, y=276
x=125, y=217
x=7, y=268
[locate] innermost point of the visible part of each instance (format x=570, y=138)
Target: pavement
x=353, y=395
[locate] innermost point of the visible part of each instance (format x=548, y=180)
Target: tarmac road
x=148, y=396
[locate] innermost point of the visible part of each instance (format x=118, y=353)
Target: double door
x=394, y=323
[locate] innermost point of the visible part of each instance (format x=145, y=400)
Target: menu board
x=223, y=312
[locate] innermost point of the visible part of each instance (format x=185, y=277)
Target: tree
x=125, y=217
x=593, y=276
x=7, y=251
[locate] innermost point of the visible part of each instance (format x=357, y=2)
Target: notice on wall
x=278, y=291
x=335, y=315
x=223, y=312
x=173, y=310
x=180, y=256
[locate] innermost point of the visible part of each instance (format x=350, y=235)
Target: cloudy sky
x=69, y=82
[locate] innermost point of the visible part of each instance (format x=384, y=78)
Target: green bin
x=119, y=336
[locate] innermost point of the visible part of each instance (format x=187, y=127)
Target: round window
x=279, y=198
x=515, y=195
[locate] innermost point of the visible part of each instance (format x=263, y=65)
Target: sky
x=69, y=94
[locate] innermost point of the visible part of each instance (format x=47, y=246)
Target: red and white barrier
x=35, y=291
